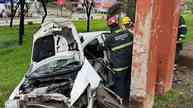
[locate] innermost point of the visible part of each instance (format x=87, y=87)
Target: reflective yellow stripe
x=121, y=46
x=117, y=31
x=182, y=26
x=120, y=69
x=182, y=35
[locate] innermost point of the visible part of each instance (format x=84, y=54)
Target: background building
x=76, y=5
x=103, y=5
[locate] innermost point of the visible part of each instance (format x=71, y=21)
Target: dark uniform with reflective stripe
x=182, y=30
x=120, y=46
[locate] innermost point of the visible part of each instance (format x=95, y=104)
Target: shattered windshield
x=56, y=66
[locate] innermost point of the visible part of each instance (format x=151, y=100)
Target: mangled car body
x=60, y=76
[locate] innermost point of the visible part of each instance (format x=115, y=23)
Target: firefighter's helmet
x=112, y=21
x=126, y=20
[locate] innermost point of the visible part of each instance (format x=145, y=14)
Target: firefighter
x=182, y=30
x=119, y=45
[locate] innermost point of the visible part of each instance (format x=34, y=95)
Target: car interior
x=47, y=46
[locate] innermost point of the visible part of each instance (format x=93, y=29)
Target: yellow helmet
x=126, y=20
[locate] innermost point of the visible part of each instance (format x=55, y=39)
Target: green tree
x=129, y=7
x=88, y=5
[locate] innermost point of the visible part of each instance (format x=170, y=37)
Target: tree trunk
x=21, y=25
x=88, y=22
x=12, y=13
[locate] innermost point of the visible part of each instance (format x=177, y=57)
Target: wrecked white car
x=60, y=76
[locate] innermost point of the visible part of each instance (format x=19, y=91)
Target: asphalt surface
x=35, y=20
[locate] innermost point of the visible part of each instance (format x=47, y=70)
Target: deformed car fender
x=87, y=76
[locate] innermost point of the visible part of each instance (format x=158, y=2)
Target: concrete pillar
x=144, y=56
x=167, y=25
x=152, y=30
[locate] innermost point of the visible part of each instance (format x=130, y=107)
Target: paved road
x=6, y=22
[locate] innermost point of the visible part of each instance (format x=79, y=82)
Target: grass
x=189, y=22
x=96, y=25
x=14, y=59
x=179, y=97
x=167, y=101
